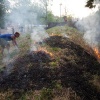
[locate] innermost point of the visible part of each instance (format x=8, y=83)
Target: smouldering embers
x=43, y=50
x=53, y=34
x=38, y=47
x=97, y=53
x=40, y=52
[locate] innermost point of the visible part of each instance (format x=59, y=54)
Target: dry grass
x=72, y=33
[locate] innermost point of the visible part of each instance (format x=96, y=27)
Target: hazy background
x=24, y=15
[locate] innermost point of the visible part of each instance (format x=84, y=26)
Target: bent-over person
x=4, y=41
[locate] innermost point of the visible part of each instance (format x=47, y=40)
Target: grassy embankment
x=70, y=73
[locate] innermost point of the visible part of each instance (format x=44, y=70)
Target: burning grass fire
x=41, y=55
x=45, y=51
x=38, y=69
x=97, y=53
x=53, y=34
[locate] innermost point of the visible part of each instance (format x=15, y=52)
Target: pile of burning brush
x=41, y=55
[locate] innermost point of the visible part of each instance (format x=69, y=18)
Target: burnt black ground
x=75, y=70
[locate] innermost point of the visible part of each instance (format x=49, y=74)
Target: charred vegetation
x=73, y=73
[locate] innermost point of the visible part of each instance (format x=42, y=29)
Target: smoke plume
x=90, y=26
x=24, y=16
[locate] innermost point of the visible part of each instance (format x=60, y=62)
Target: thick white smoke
x=27, y=15
x=90, y=26
x=23, y=13
x=38, y=36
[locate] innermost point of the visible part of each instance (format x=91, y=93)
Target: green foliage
x=53, y=64
x=46, y=94
x=90, y=4
x=51, y=17
x=23, y=97
x=55, y=49
x=57, y=85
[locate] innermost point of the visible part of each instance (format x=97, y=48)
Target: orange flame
x=45, y=50
x=53, y=34
x=97, y=53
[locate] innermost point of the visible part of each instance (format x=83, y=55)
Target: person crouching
x=4, y=41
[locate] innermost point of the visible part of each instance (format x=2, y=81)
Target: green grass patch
x=53, y=64
x=56, y=49
x=46, y=94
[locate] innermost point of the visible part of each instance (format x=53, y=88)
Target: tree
x=90, y=3
x=46, y=10
x=50, y=17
